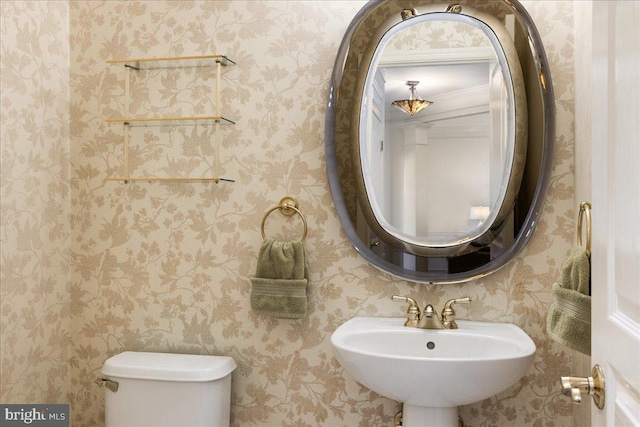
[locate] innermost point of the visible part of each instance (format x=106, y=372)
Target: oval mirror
x=439, y=136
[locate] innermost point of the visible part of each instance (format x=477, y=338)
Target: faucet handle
x=413, y=312
x=448, y=315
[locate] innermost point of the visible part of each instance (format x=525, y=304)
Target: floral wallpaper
x=34, y=202
x=165, y=266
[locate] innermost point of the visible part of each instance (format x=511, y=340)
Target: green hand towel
x=279, y=287
x=569, y=318
x=576, y=272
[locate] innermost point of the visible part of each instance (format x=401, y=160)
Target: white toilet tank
x=167, y=390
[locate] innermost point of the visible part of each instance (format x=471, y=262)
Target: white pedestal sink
x=433, y=371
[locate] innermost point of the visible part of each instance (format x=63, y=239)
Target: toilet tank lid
x=168, y=366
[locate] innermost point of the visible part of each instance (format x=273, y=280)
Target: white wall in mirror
x=459, y=137
x=425, y=172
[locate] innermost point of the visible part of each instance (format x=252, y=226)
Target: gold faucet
x=429, y=318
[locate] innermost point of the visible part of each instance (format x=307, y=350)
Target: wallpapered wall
x=34, y=202
x=165, y=267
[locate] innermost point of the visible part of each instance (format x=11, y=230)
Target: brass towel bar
x=585, y=210
x=287, y=206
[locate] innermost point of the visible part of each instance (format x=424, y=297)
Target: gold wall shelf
x=138, y=64
x=172, y=179
x=174, y=62
x=171, y=121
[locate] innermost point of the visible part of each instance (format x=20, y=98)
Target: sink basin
x=433, y=369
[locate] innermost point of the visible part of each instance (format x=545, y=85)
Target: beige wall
x=165, y=267
x=35, y=188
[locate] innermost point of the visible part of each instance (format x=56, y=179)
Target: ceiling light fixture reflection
x=414, y=104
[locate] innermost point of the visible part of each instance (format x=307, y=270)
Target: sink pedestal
x=422, y=416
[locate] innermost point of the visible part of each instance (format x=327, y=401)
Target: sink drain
x=431, y=345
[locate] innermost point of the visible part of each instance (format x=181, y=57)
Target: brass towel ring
x=585, y=209
x=287, y=206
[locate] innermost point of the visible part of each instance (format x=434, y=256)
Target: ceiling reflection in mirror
x=451, y=192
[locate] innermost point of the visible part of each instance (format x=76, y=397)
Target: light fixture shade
x=414, y=104
x=411, y=106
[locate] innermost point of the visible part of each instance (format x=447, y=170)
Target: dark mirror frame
x=541, y=125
